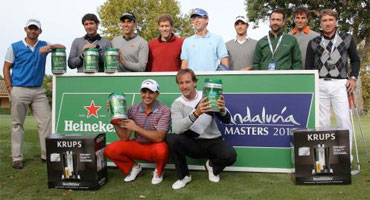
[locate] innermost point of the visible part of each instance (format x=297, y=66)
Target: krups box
x=321, y=156
x=76, y=161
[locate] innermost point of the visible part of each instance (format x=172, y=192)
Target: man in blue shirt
x=25, y=60
x=203, y=51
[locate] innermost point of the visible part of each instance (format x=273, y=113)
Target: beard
x=32, y=36
x=275, y=28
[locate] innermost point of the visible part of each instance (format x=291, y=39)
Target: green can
x=58, y=61
x=91, y=60
x=117, y=107
x=111, y=60
x=212, y=89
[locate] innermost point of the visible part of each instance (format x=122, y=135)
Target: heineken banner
x=265, y=106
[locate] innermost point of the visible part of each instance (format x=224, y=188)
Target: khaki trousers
x=20, y=100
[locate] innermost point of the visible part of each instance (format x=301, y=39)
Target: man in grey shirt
x=241, y=49
x=195, y=132
x=302, y=32
x=134, y=49
x=91, y=40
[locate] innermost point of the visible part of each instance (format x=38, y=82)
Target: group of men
x=302, y=48
x=163, y=52
x=203, y=51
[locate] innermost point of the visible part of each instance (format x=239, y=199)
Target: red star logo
x=92, y=109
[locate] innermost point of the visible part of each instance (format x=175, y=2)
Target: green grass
x=31, y=182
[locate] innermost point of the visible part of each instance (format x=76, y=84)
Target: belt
x=31, y=86
x=330, y=79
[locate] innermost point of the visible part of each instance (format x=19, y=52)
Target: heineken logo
x=92, y=110
x=84, y=125
x=81, y=126
x=84, y=115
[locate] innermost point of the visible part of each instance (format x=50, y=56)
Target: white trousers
x=334, y=93
x=20, y=99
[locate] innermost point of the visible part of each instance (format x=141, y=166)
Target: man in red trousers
x=149, y=120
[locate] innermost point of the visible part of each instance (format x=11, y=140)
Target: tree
x=353, y=14
x=147, y=13
x=365, y=77
x=48, y=85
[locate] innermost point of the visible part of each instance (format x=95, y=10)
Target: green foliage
x=365, y=77
x=147, y=13
x=47, y=84
x=4, y=111
x=353, y=14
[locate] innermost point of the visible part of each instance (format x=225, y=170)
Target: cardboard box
x=76, y=161
x=322, y=156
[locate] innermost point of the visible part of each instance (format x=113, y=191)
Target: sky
x=61, y=20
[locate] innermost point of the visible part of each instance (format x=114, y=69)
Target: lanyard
x=277, y=45
x=334, y=43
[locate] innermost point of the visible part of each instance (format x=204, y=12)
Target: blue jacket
x=28, y=69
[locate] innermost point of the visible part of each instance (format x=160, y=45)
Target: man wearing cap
x=204, y=50
x=302, y=31
x=241, y=49
x=26, y=61
x=277, y=51
x=133, y=48
x=196, y=133
x=149, y=120
x=164, y=51
x=91, y=40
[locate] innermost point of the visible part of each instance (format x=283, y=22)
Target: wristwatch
x=353, y=77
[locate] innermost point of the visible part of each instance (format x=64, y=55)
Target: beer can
x=212, y=89
x=91, y=60
x=118, y=108
x=58, y=61
x=111, y=60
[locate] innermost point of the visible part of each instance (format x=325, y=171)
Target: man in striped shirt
x=149, y=120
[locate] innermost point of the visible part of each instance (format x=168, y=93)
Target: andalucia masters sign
x=264, y=107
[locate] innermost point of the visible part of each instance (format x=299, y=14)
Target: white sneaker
x=181, y=183
x=156, y=179
x=212, y=177
x=135, y=171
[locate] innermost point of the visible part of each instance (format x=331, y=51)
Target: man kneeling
x=149, y=120
x=195, y=132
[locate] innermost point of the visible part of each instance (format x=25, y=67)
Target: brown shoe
x=17, y=164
